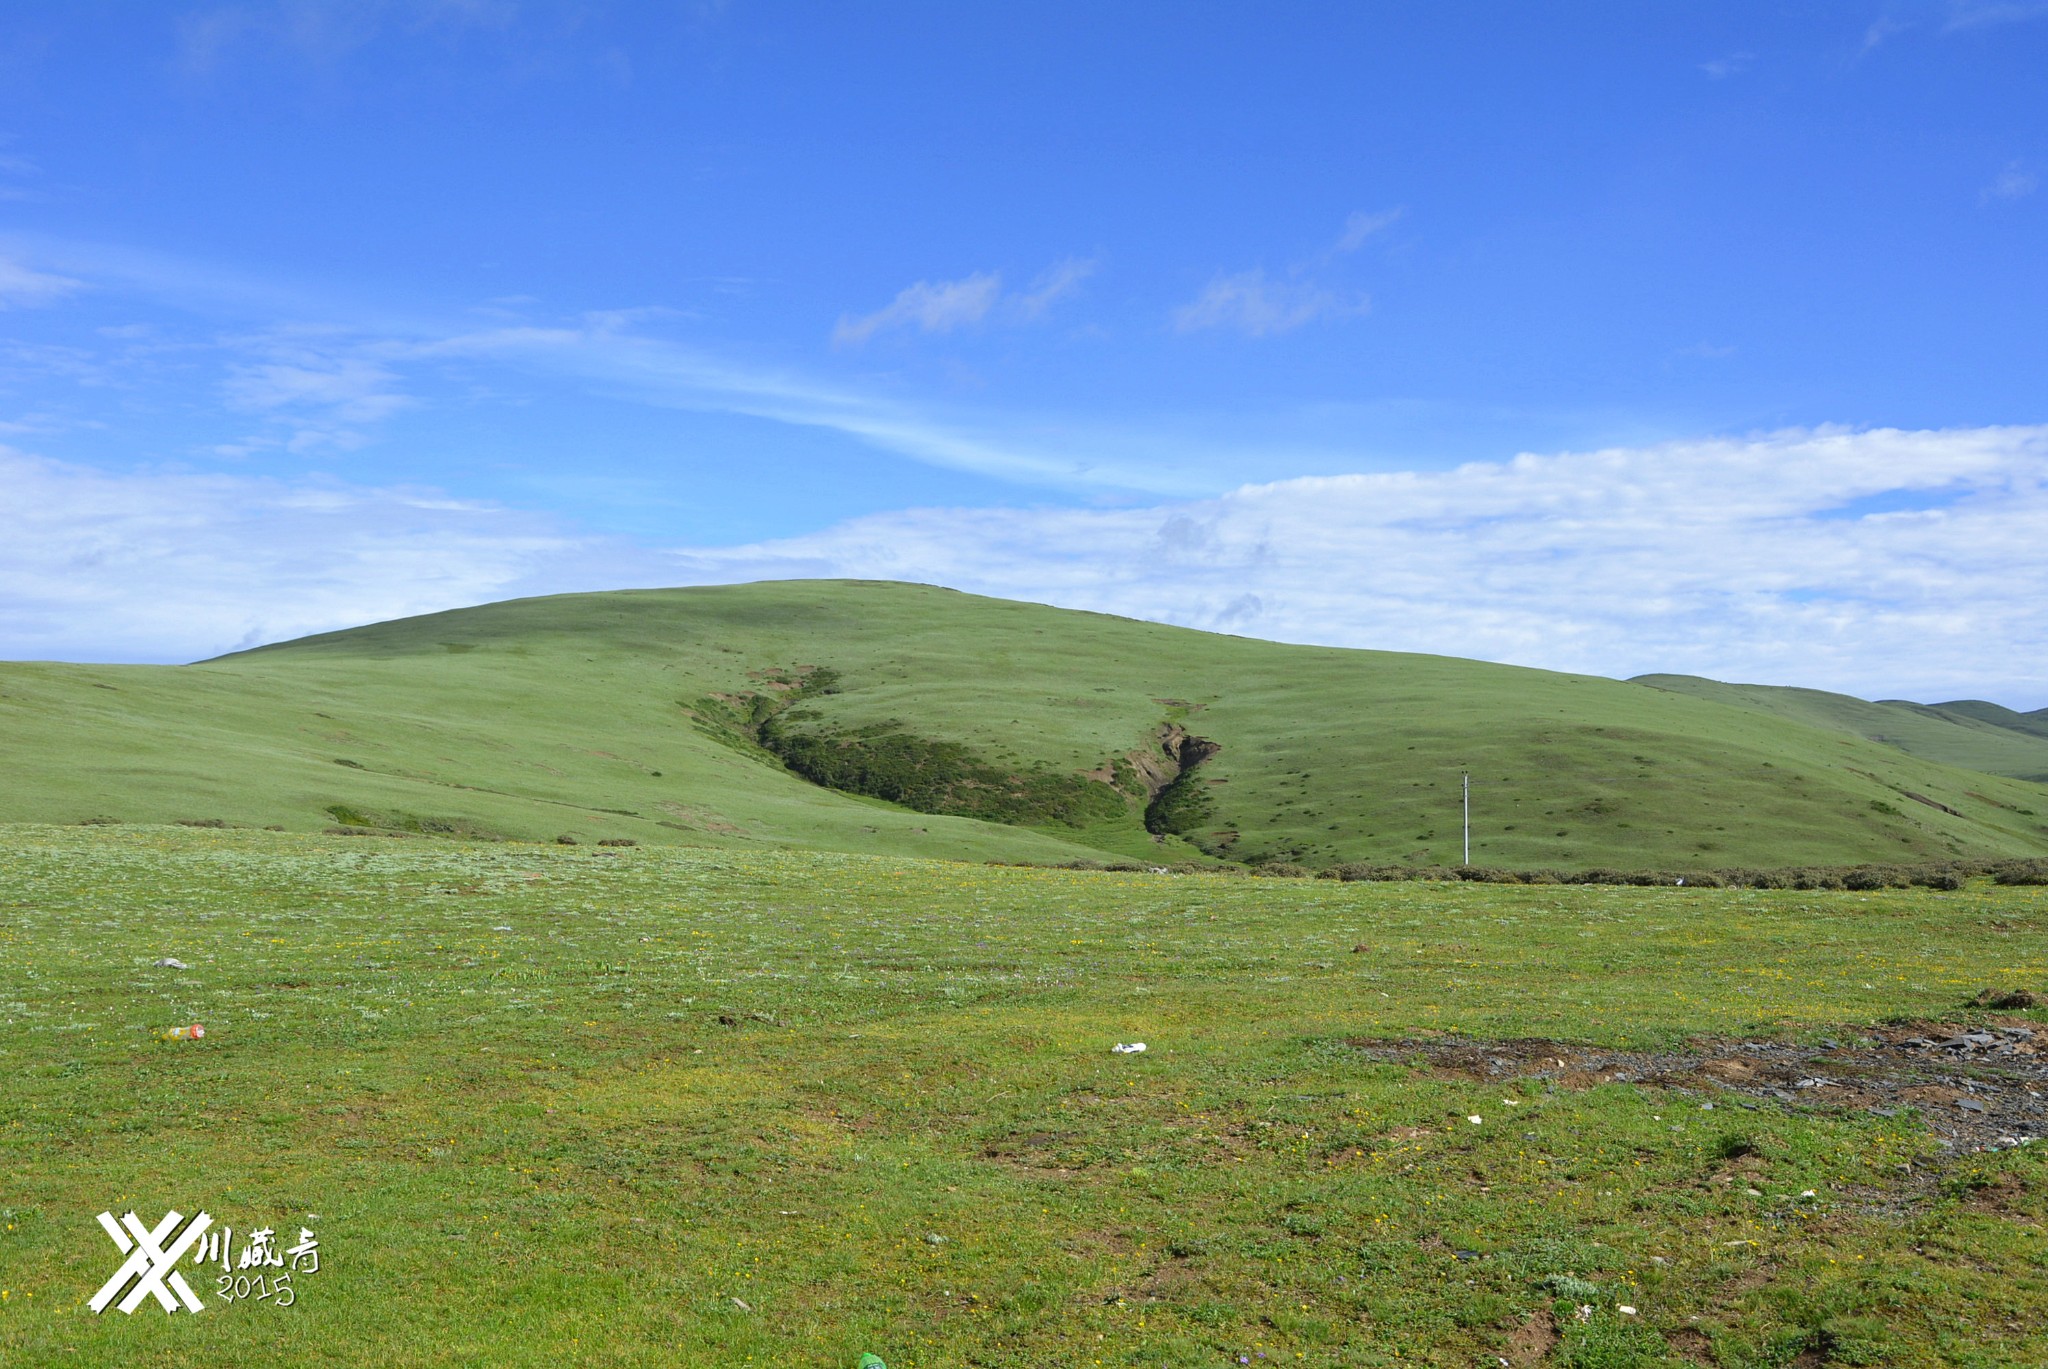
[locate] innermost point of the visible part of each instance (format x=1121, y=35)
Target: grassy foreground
x=673, y=1107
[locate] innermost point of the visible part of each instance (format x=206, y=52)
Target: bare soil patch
x=1979, y=1088
x=1532, y=1341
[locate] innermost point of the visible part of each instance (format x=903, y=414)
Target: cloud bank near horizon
x=1882, y=563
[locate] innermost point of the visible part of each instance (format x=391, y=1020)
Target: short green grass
x=873, y=1100
x=572, y=715
x=1969, y=733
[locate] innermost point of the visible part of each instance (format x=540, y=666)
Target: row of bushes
x=885, y=762
x=1943, y=875
x=1950, y=874
x=1797, y=877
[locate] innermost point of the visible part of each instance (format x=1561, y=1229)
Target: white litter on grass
x=1511, y=1102
x=1475, y=1119
x=501, y=929
x=1625, y=1309
x=171, y=962
x=1135, y=1048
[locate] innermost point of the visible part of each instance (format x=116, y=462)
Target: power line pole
x=1467, y=787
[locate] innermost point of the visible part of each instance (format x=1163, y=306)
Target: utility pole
x=1467, y=786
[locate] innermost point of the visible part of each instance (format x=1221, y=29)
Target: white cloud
x=935, y=308
x=351, y=387
x=1258, y=305
x=172, y=566
x=21, y=284
x=319, y=390
x=1769, y=559
x=1883, y=563
x=664, y=373
x=1056, y=282
x=946, y=305
x=1882, y=30
x=1361, y=226
x=1734, y=64
x=1255, y=304
x=2013, y=183
x=1977, y=14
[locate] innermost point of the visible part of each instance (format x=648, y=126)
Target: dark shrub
x=1877, y=877
x=2016, y=872
x=1488, y=874
x=565, y=840
x=618, y=841
x=1358, y=870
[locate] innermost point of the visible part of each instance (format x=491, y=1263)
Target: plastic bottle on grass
x=191, y=1033
x=872, y=1361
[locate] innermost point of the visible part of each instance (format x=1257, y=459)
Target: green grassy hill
x=648, y=714
x=2034, y=724
x=1969, y=733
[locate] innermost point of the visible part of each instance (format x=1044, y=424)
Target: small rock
x=934, y=1238
x=1969, y=1105
x=741, y=1304
x=1625, y=1309
x=171, y=962
x=501, y=929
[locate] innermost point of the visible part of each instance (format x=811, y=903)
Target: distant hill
x=1020, y=731
x=1969, y=733
x=1977, y=710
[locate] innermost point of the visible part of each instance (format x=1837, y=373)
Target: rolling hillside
x=668, y=715
x=1969, y=732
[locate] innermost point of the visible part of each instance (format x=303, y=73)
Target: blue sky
x=312, y=313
